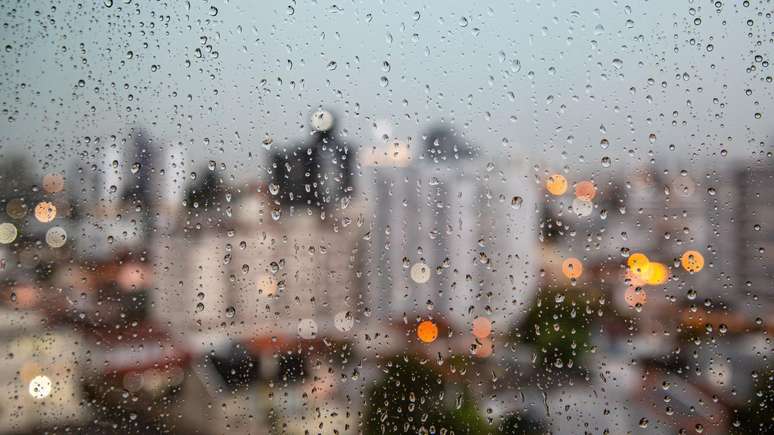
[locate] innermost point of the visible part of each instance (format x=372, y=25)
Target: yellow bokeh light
x=637, y=262
x=692, y=261
x=572, y=268
x=556, y=184
x=655, y=273
x=427, y=331
x=45, y=211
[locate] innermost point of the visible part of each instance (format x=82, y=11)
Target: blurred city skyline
x=386, y=217
x=548, y=82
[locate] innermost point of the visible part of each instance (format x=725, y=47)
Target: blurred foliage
x=559, y=326
x=516, y=424
x=413, y=397
x=757, y=415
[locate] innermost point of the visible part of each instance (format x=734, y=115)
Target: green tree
x=559, y=326
x=413, y=397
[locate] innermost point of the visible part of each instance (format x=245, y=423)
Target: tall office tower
x=453, y=235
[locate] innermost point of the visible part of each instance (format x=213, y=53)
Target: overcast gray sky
x=543, y=79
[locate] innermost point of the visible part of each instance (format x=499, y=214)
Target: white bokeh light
x=40, y=387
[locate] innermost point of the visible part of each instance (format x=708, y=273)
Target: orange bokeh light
x=45, y=211
x=427, y=331
x=585, y=190
x=482, y=327
x=556, y=184
x=572, y=268
x=692, y=261
x=484, y=350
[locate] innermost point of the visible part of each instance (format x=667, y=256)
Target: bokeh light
x=637, y=262
x=45, y=211
x=572, y=268
x=655, y=273
x=420, y=273
x=343, y=321
x=8, y=233
x=582, y=208
x=427, y=331
x=556, y=184
x=322, y=120
x=56, y=237
x=53, y=183
x=484, y=348
x=307, y=329
x=585, y=190
x=40, y=387
x=692, y=261
x=482, y=327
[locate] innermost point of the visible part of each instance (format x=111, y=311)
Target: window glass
x=382, y=217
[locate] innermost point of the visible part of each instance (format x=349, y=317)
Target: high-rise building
x=453, y=235
x=319, y=172
x=755, y=239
